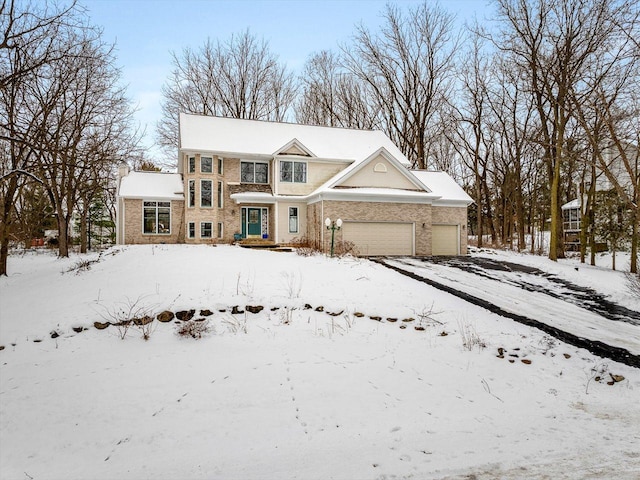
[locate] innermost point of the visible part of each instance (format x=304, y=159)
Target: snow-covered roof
x=575, y=203
x=152, y=185
x=441, y=184
x=261, y=138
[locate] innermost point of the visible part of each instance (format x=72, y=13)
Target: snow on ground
x=599, y=277
x=502, y=289
x=293, y=392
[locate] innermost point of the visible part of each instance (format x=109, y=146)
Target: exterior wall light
x=333, y=226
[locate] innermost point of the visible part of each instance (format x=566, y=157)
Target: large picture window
x=206, y=164
x=254, y=172
x=295, y=172
x=206, y=193
x=157, y=218
x=293, y=219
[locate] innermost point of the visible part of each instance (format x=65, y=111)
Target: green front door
x=254, y=222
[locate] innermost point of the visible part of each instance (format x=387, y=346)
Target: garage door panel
x=380, y=238
x=444, y=240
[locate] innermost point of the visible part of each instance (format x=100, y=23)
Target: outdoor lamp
x=333, y=226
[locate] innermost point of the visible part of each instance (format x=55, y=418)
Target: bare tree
x=239, y=78
x=407, y=66
x=28, y=43
x=553, y=43
x=85, y=125
x=333, y=96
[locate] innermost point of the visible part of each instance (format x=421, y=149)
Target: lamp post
x=333, y=226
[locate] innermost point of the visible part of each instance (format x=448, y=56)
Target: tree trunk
x=634, y=240
x=5, y=222
x=83, y=230
x=63, y=236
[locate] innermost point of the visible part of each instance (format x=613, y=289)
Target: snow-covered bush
x=193, y=328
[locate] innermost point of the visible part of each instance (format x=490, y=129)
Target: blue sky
x=146, y=31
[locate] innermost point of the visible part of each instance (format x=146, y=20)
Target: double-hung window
x=293, y=219
x=192, y=230
x=220, y=229
x=192, y=164
x=206, y=164
x=220, y=188
x=254, y=172
x=206, y=230
x=157, y=218
x=220, y=166
x=192, y=193
x=206, y=193
x=295, y=172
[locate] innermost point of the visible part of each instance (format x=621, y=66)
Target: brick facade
x=133, y=228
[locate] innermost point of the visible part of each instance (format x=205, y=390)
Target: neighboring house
x=278, y=182
x=572, y=211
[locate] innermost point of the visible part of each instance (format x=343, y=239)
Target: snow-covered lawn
x=292, y=392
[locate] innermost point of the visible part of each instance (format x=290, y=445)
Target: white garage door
x=444, y=240
x=380, y=238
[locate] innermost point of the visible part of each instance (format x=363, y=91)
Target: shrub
x=304, y=246
x=193, y=328
x=470, y=337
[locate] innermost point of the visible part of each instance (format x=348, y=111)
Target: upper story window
x=192, y=193
x=295, y=172
x=206, y=193
x=254, y=172
x=157, y=218
x=192, y=164
x=220, y=166
x=206, y=165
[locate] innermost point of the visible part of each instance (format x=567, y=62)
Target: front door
x=254, y=222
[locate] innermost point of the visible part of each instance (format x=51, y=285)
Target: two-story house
x=247, y=179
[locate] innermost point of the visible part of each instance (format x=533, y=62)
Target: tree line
x=527, y=111
x=65, y=122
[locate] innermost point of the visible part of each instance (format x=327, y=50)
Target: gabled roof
x=357, y=166
x=443, y=185
x=296, y=146
x=152, y=185
x=220, y=135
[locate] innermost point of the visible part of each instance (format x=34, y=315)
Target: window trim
x=156, y=207
x=202, y=224
x=297, y=219
x=254, y=162
x=293, y=171
x=202, y=182
x=220, y=194
x=191, y=201
x=202, y=170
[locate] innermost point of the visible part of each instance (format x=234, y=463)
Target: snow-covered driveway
x=530, y=292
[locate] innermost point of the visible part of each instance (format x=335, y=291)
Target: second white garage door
x=380, y=238
x=444, y=240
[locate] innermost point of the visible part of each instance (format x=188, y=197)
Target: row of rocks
x=187, y=315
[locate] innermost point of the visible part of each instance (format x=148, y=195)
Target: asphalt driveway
x=572, y=313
